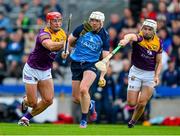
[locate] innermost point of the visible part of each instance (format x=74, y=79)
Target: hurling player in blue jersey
x=90, y=42
x=146, y=67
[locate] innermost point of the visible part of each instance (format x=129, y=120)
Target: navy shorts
x=78, y=68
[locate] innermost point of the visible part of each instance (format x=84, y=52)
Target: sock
x=132, y=122
x=84, y=116
x=91, y=106
x=28, y=116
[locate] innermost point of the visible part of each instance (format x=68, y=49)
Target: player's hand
x=64, y=55
x=123, y=42
x=102, y=82
x=156, y=80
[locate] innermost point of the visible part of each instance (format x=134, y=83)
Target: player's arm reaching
x=71, y=40
x=51, y=45
x=127, y=38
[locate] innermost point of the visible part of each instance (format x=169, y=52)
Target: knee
x=84, y=90
x=48, y=101
x=131, y=103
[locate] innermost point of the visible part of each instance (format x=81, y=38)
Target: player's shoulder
x=78, y=30
x=103, y=33
x=139, y=36
x=157, y=40
x=80, y=27
x=43, y=34
x=160, y=43
x=44, y=31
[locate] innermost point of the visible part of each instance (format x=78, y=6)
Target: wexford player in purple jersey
x=37, y=70
x=146, y=67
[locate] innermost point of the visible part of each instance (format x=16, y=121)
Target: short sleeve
x=139, y=38
x=77, y=31
x=43, y=36
x=106, y=40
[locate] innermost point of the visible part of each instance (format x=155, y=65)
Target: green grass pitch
x=51, y=129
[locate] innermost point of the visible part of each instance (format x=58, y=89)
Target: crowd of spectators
x=20, y=21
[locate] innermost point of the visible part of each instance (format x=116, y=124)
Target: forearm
x=127, y=38
x=57, y=46
x=158, y=69
x=130, y=37
x=71, y=41
x=53, y=46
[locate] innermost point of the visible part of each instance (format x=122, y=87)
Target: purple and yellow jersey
x=144, y=52
x=41, y=58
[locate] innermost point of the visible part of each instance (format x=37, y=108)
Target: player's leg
x=147, y=83
x=76, y=99
x=76, y=91
x=46, y=90
x=93, y=104
x=134, y=86
x=145, y=95
x=88, y=79
x=30, y=100
x=132, y=99
x=77, y=75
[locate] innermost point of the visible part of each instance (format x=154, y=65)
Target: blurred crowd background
x=20, y=21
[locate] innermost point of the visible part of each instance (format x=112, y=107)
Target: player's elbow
x=55, y=48
x=52, y=49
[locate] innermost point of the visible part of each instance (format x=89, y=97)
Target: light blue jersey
x=89, y=47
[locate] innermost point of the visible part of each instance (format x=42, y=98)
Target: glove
x=64, y=55
x=102, y=82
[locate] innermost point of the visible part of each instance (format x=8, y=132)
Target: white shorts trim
x=138, y=78
x=32, y=76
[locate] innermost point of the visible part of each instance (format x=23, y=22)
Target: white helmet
x=151, y=23
x=97, y=15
